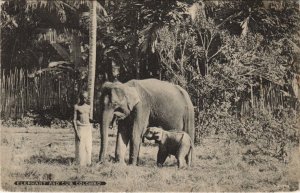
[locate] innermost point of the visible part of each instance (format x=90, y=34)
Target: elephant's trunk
x=105, y=123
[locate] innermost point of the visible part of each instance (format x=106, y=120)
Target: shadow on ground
x=57, y=160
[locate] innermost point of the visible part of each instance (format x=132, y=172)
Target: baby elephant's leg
x=161, y=157
x=188, y=158
x=181, y=156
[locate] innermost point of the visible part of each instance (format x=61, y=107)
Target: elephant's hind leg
x=181, y=162
x=181, y=156
x=188, y=159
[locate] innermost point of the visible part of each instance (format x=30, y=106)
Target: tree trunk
x=252, y=96
x=262, y=94
x=136, y=51
x=92, y=54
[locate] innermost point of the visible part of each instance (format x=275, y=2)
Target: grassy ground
x=219, y=165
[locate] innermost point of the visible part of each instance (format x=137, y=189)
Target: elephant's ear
x=158, y=135
x=132, y=97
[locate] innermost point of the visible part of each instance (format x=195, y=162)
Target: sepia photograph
x=150, y=96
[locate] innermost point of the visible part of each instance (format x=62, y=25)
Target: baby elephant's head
x=153, y=133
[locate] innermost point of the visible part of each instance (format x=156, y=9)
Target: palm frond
x=54, y=67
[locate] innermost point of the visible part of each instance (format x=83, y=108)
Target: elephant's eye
x=119, y=110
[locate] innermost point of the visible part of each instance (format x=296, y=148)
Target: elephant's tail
x=188, y=117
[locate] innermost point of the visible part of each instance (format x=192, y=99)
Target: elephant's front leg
x=122, y=142
x=161, y=157
x=135, y=144
x=140, y=123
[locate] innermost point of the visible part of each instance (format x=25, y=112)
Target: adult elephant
x=138, y=104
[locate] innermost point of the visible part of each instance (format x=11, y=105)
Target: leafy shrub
x=22, y=122
x=58, y=123
x=264, y=133
x=38, y=119
x=272, y=134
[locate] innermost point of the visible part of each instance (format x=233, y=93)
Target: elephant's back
x=156, y=87
x=151, y=83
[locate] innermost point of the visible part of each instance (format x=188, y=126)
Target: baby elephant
x=177, y=143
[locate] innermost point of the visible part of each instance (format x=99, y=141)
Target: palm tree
x=92, y=53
